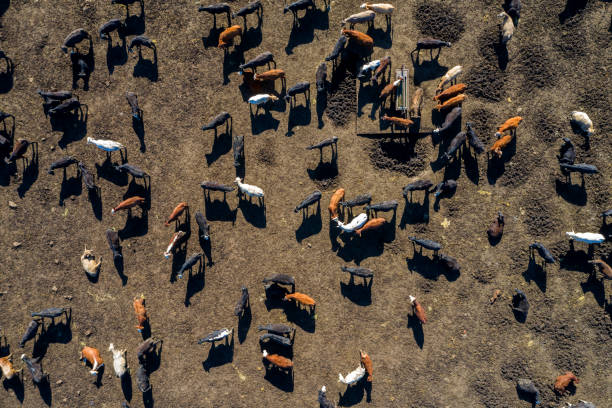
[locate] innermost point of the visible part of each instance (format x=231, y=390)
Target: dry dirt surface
x=469, y=354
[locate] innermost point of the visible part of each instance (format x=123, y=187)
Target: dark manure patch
x=595, y=100
x=341, y=102
x=536, y=67
x=266, y=155
x=548, y=126
x=566, y=352
x=486, y=81
x=486, y=392
x=439, y=20
x=518, y=170
x=571, y=40
x=483, y=122
x=407, y=158
x=540, y=218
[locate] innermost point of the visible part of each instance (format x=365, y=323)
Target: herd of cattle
x=449, y=98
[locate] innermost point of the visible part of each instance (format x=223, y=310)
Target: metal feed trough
x=402, y=101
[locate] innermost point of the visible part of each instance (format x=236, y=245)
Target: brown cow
x=603, y=267
x=334, y=202
x=418, y=310
x=278, y=361
x=452, y=102
x=226, y=38
x=416, y=103
x=7, y=367
x=450, y=92
x=178, y=210
x=388, y=89
x=373, y=224
x=128, y=204
x=301, y=299
x=384, y=63
x=405, y=123
x=564, y=380
x=270, y=75
x=511, y=124
x=92, y=356
x=359, y=38
x=500, y=144
x=496, y=229
x=141, y=312
x=366, y=361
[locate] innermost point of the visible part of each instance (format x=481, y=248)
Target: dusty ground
x=468, y=354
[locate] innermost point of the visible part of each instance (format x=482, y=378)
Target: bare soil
x=469, y=353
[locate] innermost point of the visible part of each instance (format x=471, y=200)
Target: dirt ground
x=469, y=353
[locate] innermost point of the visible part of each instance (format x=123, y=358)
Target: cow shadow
x=136, y=189
x=72, y=125
x=367, y=94
x=135, y=24
x=16, y=385
x=206, y=246
x=70, y=187
x=536, y=273
x=311, y=225
x=577, y=261
x=251, y=38
x=301, y=316
x=135, y=226
x=30, y=172
x=77, y=73
x=116, y=55
x=596, y=287
x=321, y=106
x=353, y=394
x=126, y=386
x=470, y=162
x=222, y=144
x=426, y=70
x=572, y=193
x=120, y=268
x=417, y=330
x=496, y=165
x=415, y=212
x=325, y=170
x=572, y=7
x=262, y=122
x=219, y=355
x=4, y=5
x=107, y=171
x=357, y=249
x=382, y=38
x=95, y=199
x=360, y=294
x=302, y=30
x=44, y=390
x=212, y=39
x=253, y=213
x=280, y=379
x=146, y=68
x=274, y=296
x=195, y=283
x=231, y=63
x=138, y=127
x=428, y=267
x=218, y=210
x=244, y=324
x=6, y=76
x=56, y=333
x=438, y=199
x=299, y=115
